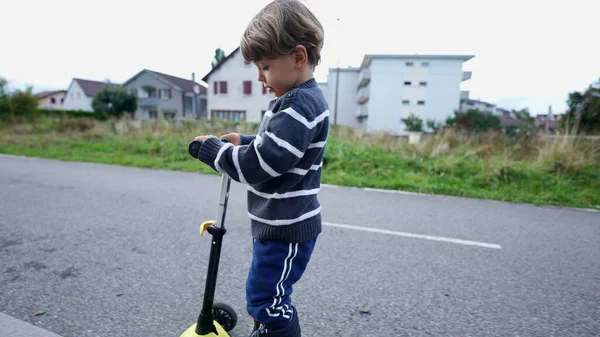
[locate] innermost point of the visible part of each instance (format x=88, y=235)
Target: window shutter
x=215, y=88
x=247, y=87
x=224, y=87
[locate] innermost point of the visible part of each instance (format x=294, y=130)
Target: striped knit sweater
x=281, y=165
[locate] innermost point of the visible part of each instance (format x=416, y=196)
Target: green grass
x=558, y=171
x=461, y=173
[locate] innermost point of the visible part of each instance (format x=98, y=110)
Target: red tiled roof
x=48, y=93
x=89, y=87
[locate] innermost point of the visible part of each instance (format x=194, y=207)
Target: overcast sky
x=526, y=55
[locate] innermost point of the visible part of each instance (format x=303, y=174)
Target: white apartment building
x=391, y=87
x=388, y=88
x=234, y=92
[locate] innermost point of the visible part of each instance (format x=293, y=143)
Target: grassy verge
x=556, y=171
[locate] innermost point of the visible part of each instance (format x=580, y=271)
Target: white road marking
x=368, y=189
x=415, y=236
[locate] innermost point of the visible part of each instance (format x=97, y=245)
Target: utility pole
x=548, y=117
x=337, y=76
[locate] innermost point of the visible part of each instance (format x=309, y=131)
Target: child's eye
x=265, y=68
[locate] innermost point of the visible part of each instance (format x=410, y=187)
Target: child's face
x=278, y=75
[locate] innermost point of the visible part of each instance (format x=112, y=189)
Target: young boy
x=281, y=164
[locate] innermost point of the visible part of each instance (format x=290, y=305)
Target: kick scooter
x=215, y=319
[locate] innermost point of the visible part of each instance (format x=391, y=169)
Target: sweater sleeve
x=288, y=135
x=246, y=139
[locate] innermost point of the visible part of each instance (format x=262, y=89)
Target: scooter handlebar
x=195, y=145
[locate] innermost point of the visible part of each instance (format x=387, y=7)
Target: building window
x=165, y=93
x=168, y=115
x=407, y=83
x=220, y=87
x=188, y=103
x=421, y=102
x=150, y=91
x=424, y=64
x=52, y=100
x=62, y=100
x=423, y=84
x=228, y=115
x=405, y=102
x=247, y=88
x=152, y=114
x=409, y=64
x=78, y=95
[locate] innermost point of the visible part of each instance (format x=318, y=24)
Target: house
x=474, y=104
x=52, y=99
x=166, y=96
x=81, y=93
x=548, y=122
x=387, y=88
x=234, y=92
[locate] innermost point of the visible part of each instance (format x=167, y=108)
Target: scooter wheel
x=225, y=315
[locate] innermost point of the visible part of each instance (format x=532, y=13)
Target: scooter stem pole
x=205, y=320
x=223, y=198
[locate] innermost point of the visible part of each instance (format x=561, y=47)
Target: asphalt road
x=100, y=250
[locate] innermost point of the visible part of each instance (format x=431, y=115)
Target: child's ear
x=300, y=56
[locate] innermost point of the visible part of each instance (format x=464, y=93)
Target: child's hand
x=233, y=138
x=204, y=138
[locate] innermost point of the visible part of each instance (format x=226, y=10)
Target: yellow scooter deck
x=191, y=332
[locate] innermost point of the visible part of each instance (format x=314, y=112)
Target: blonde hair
x=278, y=28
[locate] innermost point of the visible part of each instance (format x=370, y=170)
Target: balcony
x=362, y=111
x=364, y=77
x=466, y=75
x=362, y=96
x=149, y=102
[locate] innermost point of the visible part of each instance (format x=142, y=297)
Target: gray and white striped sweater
x=281, y=165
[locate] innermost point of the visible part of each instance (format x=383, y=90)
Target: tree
x=219, y=55
x=474, y=120
x=583, y=114
x=21, y=103
x=524, y=115
x=413, y=123
x=24, y=103
x=114, y=100
x=433, y=125
x=5, y=106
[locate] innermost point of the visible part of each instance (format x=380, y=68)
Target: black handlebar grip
x=194, y=148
